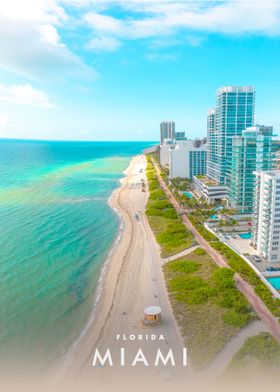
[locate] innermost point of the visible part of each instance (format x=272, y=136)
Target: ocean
x=56, y=230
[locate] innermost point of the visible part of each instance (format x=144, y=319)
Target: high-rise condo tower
x=167, y=130
x=235, y=107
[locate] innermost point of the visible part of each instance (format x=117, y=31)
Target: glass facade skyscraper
x=167, y=130
x=234, y=112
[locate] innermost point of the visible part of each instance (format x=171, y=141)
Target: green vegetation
x=178, y=186
x=181, y=184
x=208, y=307
x=261, y=352
x=170, y=233
x=185, y=201
x=236, y=262
x=229, y=222
x=197, y=217
x=272, y=303
x=240, y=266
x=198, y=223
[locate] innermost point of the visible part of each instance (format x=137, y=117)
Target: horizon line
x=78, y=140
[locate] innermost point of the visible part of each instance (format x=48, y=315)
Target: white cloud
x=31, y=41
x=154, y=19
x=103, y=43
x=24, y=94
x=104, y=23
x=49, y=34
x=33, y=10
x=159, y=57
x=30, y=44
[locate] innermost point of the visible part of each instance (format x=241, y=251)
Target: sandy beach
x=132, y=281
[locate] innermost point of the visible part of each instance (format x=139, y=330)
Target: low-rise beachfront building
x=184, y=158
x=209, y=189
x=266, y=215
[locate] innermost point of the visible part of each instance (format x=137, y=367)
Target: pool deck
x=188, y=194
x=241, y=245
x=246, y=251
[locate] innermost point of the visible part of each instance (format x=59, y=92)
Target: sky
x=113, y=70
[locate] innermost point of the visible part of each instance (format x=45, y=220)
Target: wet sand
x=133, y=281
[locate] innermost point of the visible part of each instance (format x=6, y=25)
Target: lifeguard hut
x=152, y=316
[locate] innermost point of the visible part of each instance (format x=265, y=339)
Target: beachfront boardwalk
x=180, y=254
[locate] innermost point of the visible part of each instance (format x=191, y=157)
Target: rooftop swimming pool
x=245, y=236
x=188, y=194
x=275, y=282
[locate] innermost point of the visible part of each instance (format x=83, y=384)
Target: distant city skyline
x=114, y=70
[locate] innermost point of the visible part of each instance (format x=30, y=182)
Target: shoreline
x=67, y=357
x=133, y=279
x=77, y=351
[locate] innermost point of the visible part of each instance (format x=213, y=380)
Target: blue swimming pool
x=188, y=194
x=275, y=282
x=245, y=236
x=214, y=217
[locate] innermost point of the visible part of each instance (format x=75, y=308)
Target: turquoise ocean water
x=56, y=229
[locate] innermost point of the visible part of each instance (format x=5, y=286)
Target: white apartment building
x=184, y=158
x=164, y=152
x=266, y=215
